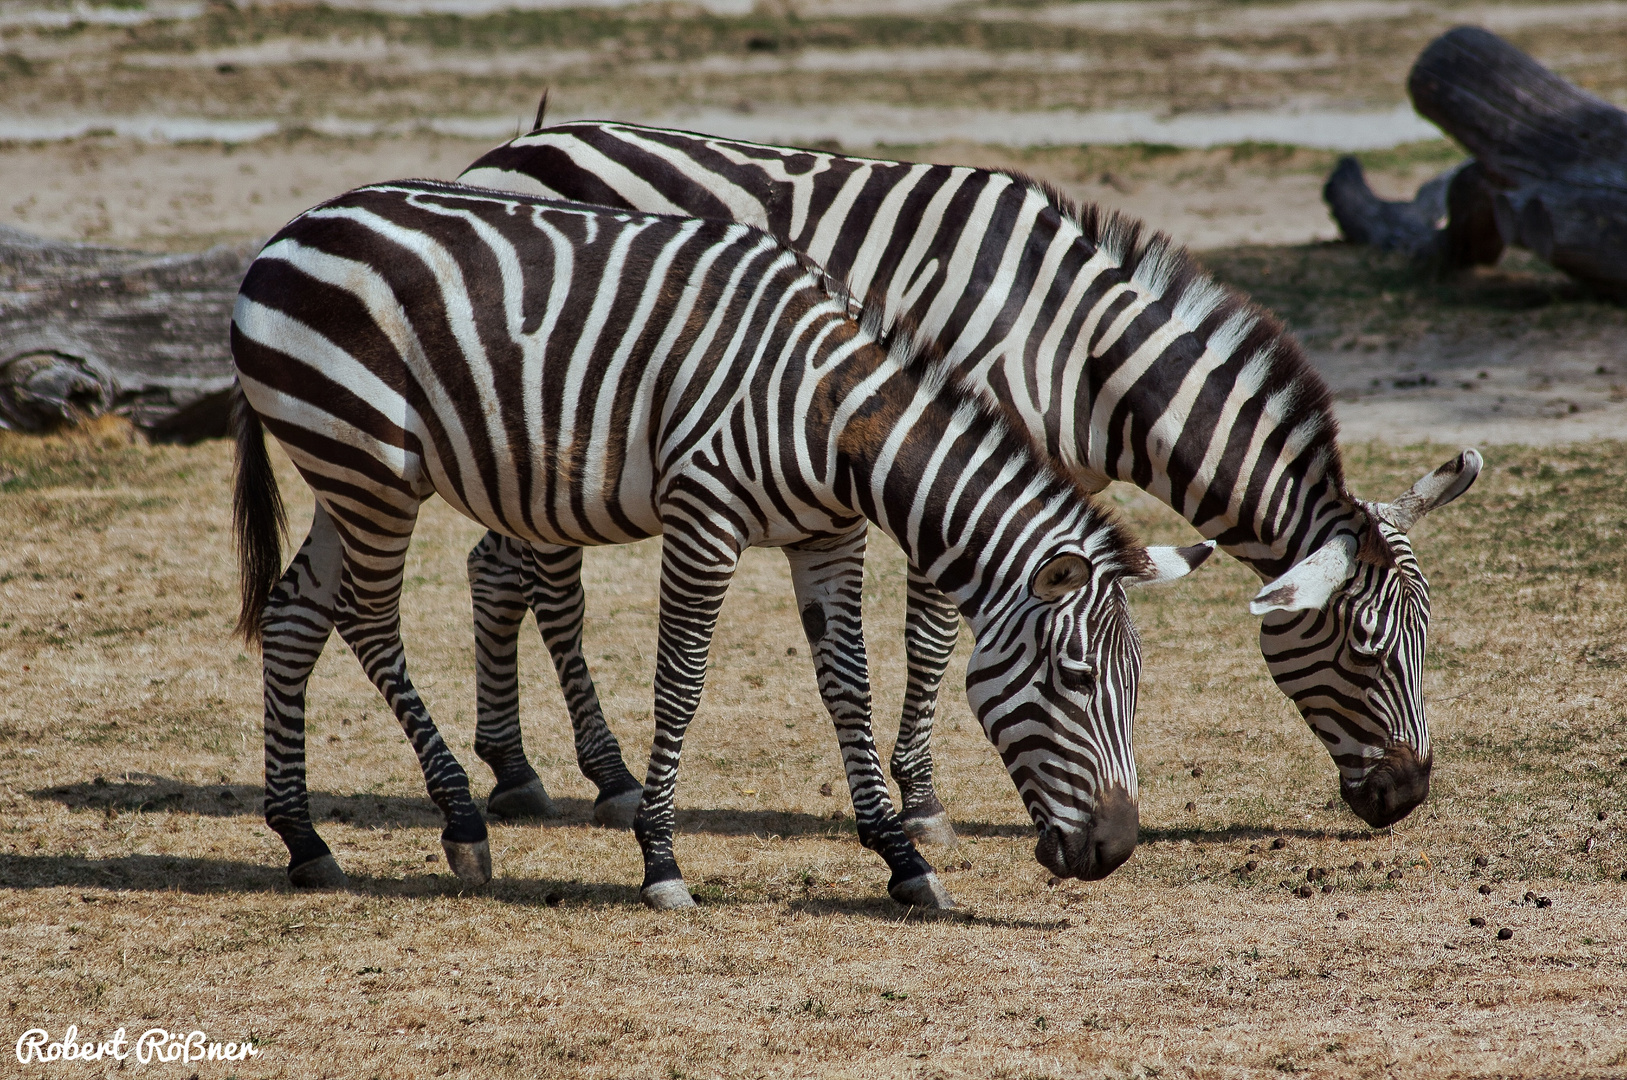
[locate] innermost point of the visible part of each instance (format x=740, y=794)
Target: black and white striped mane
x=1167, y=270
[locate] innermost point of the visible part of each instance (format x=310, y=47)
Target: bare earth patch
x=142, y=889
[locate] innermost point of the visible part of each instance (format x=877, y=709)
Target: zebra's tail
x=258, y=518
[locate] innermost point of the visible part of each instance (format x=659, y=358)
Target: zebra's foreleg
x=828, y=575
x=297, y=621
x=497, y=571
x=367, y=615
x=931, y=627
x=695, y=573
x=553, y=588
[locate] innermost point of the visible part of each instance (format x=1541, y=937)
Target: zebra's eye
x=1078, y=675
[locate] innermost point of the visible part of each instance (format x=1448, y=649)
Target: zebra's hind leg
x=298, y=619
x=695, y=573
x=931, y=626
x=367, y=615
x=828, y=575
x=497, y=569
x=553, y=588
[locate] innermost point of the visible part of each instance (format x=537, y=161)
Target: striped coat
x=1122, y=360
x=567, y=375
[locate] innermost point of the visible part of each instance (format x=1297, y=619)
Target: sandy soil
x=140, y=888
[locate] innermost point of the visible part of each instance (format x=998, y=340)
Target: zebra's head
x=1344, y=634
x=1054, y=686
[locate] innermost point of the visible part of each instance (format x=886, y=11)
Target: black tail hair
x=542, y=107
x=257, y=516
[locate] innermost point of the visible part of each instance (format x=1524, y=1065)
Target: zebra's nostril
x=1392, y=790
x=1100, y=847
x=1112, y=838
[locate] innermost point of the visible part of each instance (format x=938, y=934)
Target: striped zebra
x=1123, y=361
x=572, y=375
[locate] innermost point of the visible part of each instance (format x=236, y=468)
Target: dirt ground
x=139, y=887
x=142, y=889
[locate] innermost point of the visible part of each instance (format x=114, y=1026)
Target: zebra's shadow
x=209, y=877
x=194, y=876
x=135, y=793
x=1233, y=834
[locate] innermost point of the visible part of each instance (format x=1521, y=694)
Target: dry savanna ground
x=142, y=889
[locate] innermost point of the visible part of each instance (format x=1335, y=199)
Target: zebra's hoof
x=322, y=873
x=619, y=812
x=471, y=862
x=667, y=895
x=526, y=801
x=934, y=830
x=925, y=891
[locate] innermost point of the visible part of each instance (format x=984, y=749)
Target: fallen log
x=1549, y=171
x=1389, y=225
x=88, y=330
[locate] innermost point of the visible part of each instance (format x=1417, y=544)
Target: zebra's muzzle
x=1392, y=790
x=1100, y=847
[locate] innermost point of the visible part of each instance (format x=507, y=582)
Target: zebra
x=573, y=375
x=1123, y=361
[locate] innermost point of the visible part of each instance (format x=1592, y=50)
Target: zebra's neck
x=961, y=491
x=1126, y=362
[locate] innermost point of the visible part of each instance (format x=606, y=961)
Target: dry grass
x=142, y=889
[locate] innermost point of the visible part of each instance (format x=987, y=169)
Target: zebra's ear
x=1437, y=489
x=1059, y=575
x=1171, y=563
x=1312, y=583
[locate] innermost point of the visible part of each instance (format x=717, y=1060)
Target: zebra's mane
x=1296, y=394
x=922, y=357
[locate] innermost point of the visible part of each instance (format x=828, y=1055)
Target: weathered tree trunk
x=1554, y=157
x=1364, y=218
x=1549, y=170
x=88, y=330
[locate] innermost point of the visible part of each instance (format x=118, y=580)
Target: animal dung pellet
x=1052, y=882
x=1476, y=920
x=1329, y=805
x=432, y=857
x=1482, y=861
x=836, y=815
x=1528, y=898
x=1304, y=892
x=792, y=651
x=1397, y=874
x=1357, y=867
x=1343, y=915
x=1543, y=901
x=1378, y=864
x=1278, y=844
x=1197, y=770
x=1254, y=849
x=1327, y=889
x=1191, y=806
x=1603, y=815
x=824, y=789
x=1252, y=865
x=1485, y=890
x=1504, y=934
